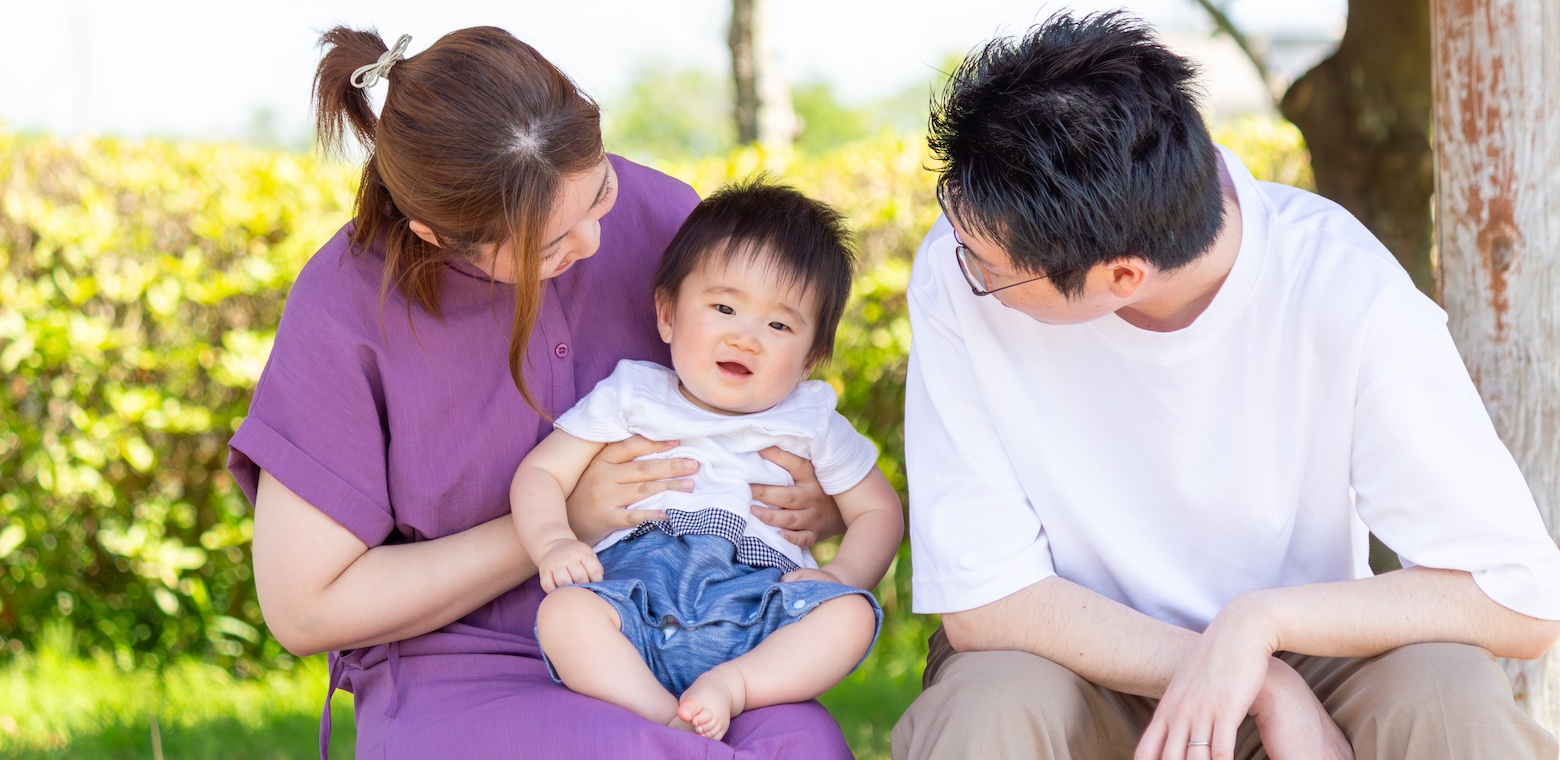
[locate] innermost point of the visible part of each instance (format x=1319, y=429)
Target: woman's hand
x=803, y=512
x=614, y=480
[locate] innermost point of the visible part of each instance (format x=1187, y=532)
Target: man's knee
x=1437, y=700
x=1003, y=704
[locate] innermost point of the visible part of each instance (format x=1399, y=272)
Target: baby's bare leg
x=795, y=664
x=583, y=637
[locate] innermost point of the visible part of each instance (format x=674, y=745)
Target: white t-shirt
x=1319, y=393
x=641, y=398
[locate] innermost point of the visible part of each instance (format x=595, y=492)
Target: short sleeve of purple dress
x=402, y=427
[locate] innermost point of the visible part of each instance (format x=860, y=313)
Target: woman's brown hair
x=475, y=138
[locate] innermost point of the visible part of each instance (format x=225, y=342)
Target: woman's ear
x=665, y=315
x=425, y=232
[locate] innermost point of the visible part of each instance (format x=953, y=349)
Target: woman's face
x=573, y=232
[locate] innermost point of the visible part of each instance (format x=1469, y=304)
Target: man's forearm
x=1098, y=638
x=1366, y=617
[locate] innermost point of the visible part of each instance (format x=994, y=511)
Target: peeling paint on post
x=1497, y=127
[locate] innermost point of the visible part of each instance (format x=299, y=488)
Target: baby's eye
x=779, y=325
x=724, y=309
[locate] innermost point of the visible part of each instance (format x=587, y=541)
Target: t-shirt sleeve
x=843, y=456
x=602, y=415
x=1432, y=478
x=317, y=421
x=975, y=535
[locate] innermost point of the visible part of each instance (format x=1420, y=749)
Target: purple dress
x=405, y=431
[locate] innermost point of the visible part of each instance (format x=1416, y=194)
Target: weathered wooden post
x=1497, y=143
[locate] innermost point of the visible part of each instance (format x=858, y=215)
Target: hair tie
x=368, y=76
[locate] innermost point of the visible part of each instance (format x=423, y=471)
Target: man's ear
x=425, y=232
x=665, y=311
x=1127, y=274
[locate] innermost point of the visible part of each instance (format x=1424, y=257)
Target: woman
x=384, y=431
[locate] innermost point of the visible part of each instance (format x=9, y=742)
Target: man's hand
x=809, y=574
x=1292, y=723
x=567, y=561
x=1209, y=696
x=803, y=512
x=1231, y=674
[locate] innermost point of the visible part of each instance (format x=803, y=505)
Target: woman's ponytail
x=338, y=103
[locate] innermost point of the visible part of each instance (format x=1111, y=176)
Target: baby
x=690, y=621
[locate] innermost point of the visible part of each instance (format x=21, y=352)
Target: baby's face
x=739, y=338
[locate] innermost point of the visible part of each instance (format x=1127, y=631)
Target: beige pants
x=1420, y=702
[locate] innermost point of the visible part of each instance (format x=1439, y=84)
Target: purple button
x=561, y=350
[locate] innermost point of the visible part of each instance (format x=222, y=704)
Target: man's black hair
x=1077, y=144
x=759, y=222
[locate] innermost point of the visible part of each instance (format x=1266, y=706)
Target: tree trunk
x=1365, y=114
x=1497, y=65
x=762, y=101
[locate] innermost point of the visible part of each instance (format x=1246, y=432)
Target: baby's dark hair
x=757, y=221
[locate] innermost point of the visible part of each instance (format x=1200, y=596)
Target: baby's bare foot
x=713, y=700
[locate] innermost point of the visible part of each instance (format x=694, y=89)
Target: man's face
x=1038, y=298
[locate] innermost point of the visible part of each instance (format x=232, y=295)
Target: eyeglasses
x=975, y=273
x=974, y=270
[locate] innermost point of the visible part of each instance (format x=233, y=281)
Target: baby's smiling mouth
x=734, y=368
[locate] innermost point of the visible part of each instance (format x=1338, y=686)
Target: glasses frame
x=970, y=265
x=974, y=275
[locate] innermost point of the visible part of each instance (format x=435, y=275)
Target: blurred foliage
x=140, y=287
x=1271, y=148
x=670, y=114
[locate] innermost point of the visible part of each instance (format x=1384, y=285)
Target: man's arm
x=1227, y=674
x=1366, y=617
x=1098, y=638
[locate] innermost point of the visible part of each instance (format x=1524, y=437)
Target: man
x=1154, y=407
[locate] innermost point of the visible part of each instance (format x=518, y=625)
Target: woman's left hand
x=1209, y=696
x=803, y=512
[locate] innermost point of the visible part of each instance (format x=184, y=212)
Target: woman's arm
x=322, y=589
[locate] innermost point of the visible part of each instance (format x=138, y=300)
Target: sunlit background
x=158, y=194
x=242, y=70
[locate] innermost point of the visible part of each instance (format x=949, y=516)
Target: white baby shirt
x=642, y=398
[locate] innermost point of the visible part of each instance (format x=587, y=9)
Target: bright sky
x=180, y=67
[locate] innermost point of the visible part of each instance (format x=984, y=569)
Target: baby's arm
x=537, y=499
x=874, y=525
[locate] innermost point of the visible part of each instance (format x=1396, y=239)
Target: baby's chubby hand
x=809, y=574
x=567, y=561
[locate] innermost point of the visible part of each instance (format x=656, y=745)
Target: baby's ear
x=665, y=313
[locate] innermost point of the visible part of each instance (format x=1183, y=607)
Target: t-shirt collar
x=1232, y=295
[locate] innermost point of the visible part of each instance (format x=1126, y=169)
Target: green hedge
x=140, y=288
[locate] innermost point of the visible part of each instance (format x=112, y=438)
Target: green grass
x=56, y=704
